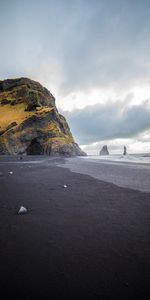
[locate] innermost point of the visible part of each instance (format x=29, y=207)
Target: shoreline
x=86, y=241
x=133, y=176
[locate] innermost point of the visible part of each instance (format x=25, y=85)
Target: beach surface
x=88, y=240
x=124, y=174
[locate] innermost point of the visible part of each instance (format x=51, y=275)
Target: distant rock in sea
x=30, y=122
x=125, y=150
x=104, y=150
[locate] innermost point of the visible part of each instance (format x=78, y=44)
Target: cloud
x=109, y=121
x=109, y=48
x=84, y=51
x=115, y=146
x=92, y=44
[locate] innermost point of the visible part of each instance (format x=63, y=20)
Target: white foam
x=138, y=158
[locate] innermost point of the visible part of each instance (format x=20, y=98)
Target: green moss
x=63, y=139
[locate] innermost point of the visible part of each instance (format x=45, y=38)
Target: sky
x=93, y=55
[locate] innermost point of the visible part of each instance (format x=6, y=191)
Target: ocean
x=142, y=158
x=130, y=171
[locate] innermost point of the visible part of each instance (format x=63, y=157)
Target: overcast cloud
x=109, y=121
x=89, y=43
x=85, y=52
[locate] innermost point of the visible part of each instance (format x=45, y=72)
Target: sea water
x=130, y=171
x=142, y=158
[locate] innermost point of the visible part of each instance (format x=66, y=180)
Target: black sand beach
x=90, y=240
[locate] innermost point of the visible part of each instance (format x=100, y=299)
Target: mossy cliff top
x=30, y=122
x=24, y=90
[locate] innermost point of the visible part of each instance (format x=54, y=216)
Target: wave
x=129, y=158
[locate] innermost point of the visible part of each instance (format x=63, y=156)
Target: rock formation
x=104, y=150
x=30, y=122
x=125, y=150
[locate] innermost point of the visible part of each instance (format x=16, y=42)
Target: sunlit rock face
x=104, y=150
x=30, y=122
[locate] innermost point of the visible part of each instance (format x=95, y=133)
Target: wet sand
x=90, y=240
x=124, y=174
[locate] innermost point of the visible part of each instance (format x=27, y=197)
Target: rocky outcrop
x=125, y=150
x=30, y=122
x=104, y=150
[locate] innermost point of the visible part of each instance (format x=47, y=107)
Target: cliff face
x=30, y=122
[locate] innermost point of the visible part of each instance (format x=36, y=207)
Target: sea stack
x=30, y=122
x=104, y=150
x=125, y=150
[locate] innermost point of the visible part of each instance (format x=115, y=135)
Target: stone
x=22, y=210
x=104, y=150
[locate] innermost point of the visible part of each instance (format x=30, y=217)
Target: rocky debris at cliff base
x=104, y=150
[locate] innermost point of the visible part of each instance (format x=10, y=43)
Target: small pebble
x=22, y=210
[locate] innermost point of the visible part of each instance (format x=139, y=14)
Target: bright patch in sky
x=82, y=99
x=134, y=96
x=141, y=93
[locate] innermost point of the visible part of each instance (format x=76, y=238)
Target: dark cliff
x=30, y=122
